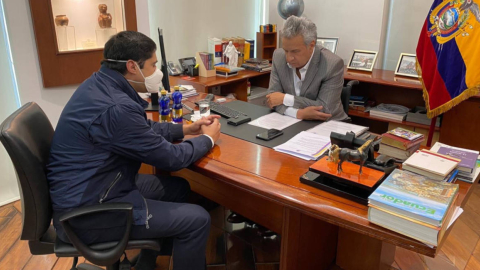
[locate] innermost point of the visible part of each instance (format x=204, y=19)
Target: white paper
x=456, y=214
x=305, y=145
x=274, y=120
x=324, y=129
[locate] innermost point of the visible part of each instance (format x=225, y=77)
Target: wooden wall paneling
x=461, y=125
x=307, y=243
x=66, y=68
x=359, y=251
x=261, y=211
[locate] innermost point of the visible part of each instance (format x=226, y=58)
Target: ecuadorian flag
x=448, y=54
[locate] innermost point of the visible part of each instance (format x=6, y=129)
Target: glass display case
x=86, y=24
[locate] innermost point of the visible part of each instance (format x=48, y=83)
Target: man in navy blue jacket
x=101, y=140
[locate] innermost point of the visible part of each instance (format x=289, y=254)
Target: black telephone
x=173, y=70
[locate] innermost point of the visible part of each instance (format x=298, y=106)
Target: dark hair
x=128, y=45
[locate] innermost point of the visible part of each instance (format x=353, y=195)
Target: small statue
x=232, y=54
x=339, y=155
x=104, y=19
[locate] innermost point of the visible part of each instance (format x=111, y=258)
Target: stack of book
x=390, y=111
x=400, y=143
x=414, y=206
x=208, y=60
x=257, y=64
x=468, y=168
x=358, y=103
x=268, y=28
x=432, y=165
x=226, y=70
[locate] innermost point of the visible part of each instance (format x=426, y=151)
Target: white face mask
x=152, y=82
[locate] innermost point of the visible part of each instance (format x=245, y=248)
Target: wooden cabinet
x=59, y=67
x=266, y=45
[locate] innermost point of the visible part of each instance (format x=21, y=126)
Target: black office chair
x=27, y=135
x=346, y=92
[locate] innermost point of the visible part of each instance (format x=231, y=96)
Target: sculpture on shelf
x=287, y=8
x=339, y=155
x=104, y=19
x=232, y=54
x=61, y=20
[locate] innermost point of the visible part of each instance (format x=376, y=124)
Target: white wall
x=187, y=24
x=405, y=22
x=8, y=104
x=357, y=23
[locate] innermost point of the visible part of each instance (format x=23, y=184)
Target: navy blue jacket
x=101, y=139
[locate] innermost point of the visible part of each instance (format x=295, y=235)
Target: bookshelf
x=266, y=45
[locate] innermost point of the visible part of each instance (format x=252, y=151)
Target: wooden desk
x=317, y=227
x=236, y=84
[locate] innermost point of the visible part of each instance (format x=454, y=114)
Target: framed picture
x=328, y=43
x=406, y=65
x=362, y=60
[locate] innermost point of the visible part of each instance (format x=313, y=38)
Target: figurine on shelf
x=61, y=20
x=104, y=19
x=232, y=54
x=339, y=155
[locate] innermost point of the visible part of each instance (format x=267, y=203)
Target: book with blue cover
x=414, y=196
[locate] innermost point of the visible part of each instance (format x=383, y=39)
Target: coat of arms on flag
x=448, y=54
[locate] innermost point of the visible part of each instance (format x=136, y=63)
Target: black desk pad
x=248, y=132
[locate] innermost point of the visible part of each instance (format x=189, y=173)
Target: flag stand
x=431, y=131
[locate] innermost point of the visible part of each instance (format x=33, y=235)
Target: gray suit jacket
x=322, y=85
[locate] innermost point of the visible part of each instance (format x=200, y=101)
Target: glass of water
x=204, y=107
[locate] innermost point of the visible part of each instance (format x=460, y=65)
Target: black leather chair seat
x=63, y=249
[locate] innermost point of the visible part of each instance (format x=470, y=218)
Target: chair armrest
x=103, y=257
x=353, y=82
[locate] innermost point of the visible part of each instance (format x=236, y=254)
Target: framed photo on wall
x=362, y=60
x=328, y=43
x=406, y=65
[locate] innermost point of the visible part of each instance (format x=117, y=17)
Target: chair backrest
x=346, y=92
x=27, y=135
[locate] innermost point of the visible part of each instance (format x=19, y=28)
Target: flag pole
x=431, y=131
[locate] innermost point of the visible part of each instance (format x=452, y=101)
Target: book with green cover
x=415, y=196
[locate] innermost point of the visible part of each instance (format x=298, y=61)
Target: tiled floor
x=238, y=246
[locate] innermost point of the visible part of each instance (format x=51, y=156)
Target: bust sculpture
x=104, y=19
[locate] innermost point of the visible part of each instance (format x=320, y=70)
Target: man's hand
x=212, y=130
x=275, y=99
x=313, y=113
x=196, y=128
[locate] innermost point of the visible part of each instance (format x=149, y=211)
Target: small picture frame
x=407, y=65
x=362, y=60
x=328, y=43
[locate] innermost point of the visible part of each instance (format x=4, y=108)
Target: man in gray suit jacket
x=306, y=80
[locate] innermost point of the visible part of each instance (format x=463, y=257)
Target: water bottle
x=164, y=110
x=177, y=106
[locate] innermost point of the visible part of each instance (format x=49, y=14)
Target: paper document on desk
x=305, y=145
x=326, y=128
x=274, y=120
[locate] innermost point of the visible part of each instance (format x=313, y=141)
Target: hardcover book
x=467, y=159
x=399, y=142
x=415, y=196
x=406, y=134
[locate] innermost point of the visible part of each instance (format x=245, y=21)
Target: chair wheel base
x=86, y=266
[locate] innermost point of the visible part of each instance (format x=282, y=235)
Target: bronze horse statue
x=339, y=155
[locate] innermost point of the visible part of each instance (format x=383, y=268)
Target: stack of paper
x=326, y=128
x=274, y=121
x=305, y=145
x=188, y=91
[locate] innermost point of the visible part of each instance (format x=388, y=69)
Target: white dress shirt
x=208, y=136
x=289, y=100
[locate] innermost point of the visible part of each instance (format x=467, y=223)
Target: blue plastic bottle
x=164, y=110
x=177, y=106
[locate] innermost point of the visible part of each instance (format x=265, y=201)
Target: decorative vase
x=104, y=19
x=287, y=8
x=61, y=20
